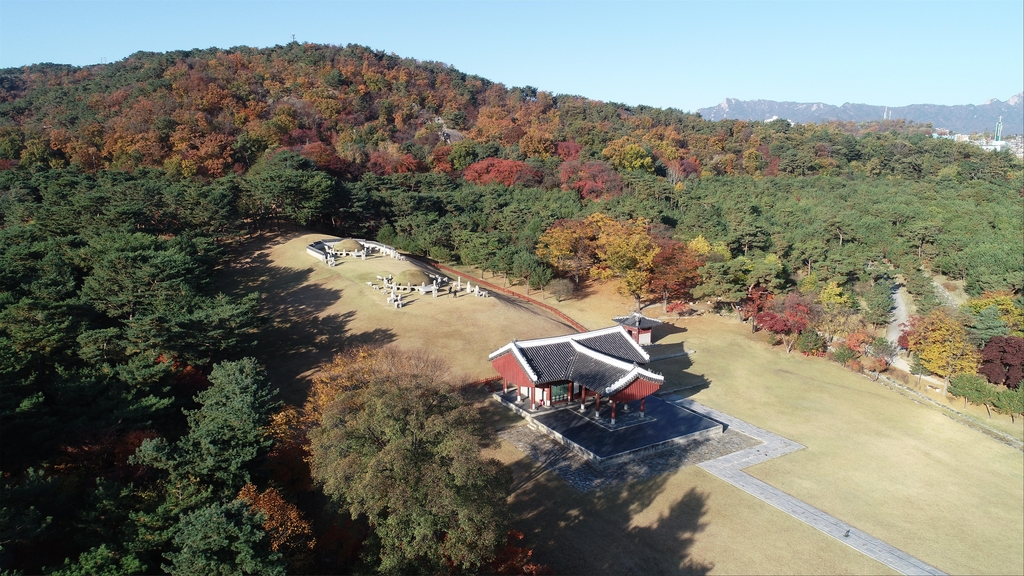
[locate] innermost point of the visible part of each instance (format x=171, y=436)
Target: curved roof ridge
x=636, y=345
x=500, y=351
x=513, y=347
x=612, y=329
x=566, y=337
x=633, y=374
x=637, y=320
x=599, y=356
x=524, y=362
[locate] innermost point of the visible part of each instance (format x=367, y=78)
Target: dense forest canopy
x=122, y=186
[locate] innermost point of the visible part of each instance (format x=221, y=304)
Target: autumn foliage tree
x=570, y=247
x=628, y=154
x=674, y=271
x=288, y=530
x=500, y=171
x=395, y=445
x=1002, y=361
x=787, y=318
x=594, y=180
x=625, y=250
x=391, y=161
x=1011, y=309
x=941, y=341
x=513, y=559
x=569, y=150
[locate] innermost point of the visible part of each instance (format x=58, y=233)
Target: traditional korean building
x=638, y=326
x=601, y=363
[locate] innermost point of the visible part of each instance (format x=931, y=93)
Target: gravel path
x=579, y=473
x=899, y=314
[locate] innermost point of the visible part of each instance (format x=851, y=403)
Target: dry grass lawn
x=894, y=468
x=317, y=311
x=685, y=522
x=898, y=470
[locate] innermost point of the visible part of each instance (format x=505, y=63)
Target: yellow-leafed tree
x=940, y=341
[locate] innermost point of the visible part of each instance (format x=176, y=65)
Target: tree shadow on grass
x=594, y=532
x=297, y=335
x=528, y=308
x=584, y=289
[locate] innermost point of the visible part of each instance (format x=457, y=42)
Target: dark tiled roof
x=602, y=360
x=636, y=320
x=615, y=345
x=596, y=375
x=551, y=362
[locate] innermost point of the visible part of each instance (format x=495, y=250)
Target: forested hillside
x=134, y=418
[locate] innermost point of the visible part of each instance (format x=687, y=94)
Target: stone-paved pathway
x=579, y=472
x=729, y=468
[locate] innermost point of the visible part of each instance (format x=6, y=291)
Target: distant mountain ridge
x=965, y=119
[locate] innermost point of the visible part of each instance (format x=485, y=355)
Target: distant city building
x=1015, y=144
x=992, y=145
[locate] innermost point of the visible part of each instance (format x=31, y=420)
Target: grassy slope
x=896, y=469
x=685, y=522
x=317, y=311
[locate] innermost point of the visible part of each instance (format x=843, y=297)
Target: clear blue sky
x=681, y=54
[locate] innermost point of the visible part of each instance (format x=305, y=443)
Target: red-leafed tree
x=759, y=299
x=594, y=180
x=858, y=341
x=515, y=559
x=569, y=150
x=326, y=159
x=691, y=165
x=907, y=330
x=674, y=272
x=1002, y=361
x=787, y=318
x=500, y=171
x=439, y=161
x=383, y=163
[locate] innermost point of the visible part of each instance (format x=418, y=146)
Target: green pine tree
x=222, y=539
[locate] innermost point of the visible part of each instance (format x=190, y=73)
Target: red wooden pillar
x=533, y=398
x=597, y=404
x=570, y=391
x=613, y=411
x=583, y=399
x=504, y=386
x=642, y=400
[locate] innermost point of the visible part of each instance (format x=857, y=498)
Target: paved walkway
x=729, y=468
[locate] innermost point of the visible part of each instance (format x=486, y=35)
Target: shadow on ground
x=665, y=330
x=594, y=533
x=678, y=379
x=297, y=335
